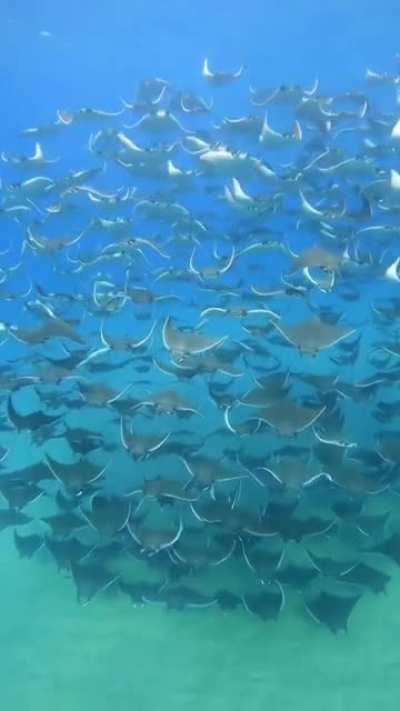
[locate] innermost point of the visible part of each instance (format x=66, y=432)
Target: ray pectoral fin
x=160, y=443
x=145, y=339
x=123, y=436
x=94, y=354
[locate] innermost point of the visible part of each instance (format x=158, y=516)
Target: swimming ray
x=32, y=474
x=180, y=597
x=66, y=551
x=82, y=441
x=181, y=343
x=219, y=78
x=367, y=576
x=355, y=478
x=206, y=472
x=197, y=555
x=271, y=390
x=32, y=421
x=140, y=445
x=28, y=545
x=296, y=575
x=91, y=580
x=266, y=604
x=108, y=515
x=311, y=337
x=12, y=517
x=19, y=493
x=63, y=524
x=169, y=401
x=293, y=473
x=289, y=418
x=389, y=546
x=138, y=592
x=227, y=600
x=77, y=476
x=164, y=489
x=263, y=558
x=154, y=540
x=318, y=257
x=331, y=603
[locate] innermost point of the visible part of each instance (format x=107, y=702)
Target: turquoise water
x=56, y=653
x=72, y=317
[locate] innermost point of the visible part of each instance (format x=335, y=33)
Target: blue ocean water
x=57, y=56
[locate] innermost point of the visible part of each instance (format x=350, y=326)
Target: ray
x=18, y=492
x=289, y=418
x=108, y=515
x=333, y=604
x=179, y=598
x=311, y=337
x=33, y=421
x=367, y=576
x=78, y=476
x=91, y=580
x=66, y=551
x=266, y=604
x=12, y=517
x=28, y=545
x=182, y=343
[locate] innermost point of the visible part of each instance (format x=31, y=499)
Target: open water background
x=55, y=654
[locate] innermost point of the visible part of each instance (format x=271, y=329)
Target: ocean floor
x=59, y=655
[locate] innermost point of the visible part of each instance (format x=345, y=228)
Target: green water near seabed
x=56, y=654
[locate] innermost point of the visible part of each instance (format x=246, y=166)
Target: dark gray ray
x=33, y=474
x=28, y=545
x=152, y=540
x=331, y=603
x=32, y=421
x=330, y=558
x=388, y=446
x=18, y=492
x=90, y=580
x=168, y=402
x=290, y=418
x=75, y=477
x=64, y=524
x=206, y=471
x=357, y=479
x=367, y=576
x=266, y=604
x=138, y=591
x=167, y=489
x=318, y=257
x=100, y=394
x=264, y=395
x=108, y=514
x=199, y=554
x=227, y=600
x=82, y=441
x=372, y=523
x=263, y=558
x=296, y=575
x=140, y=445
x=389, y=547
x=313, y=336
x=183, y=343
x=12, y=517
x=290, y=472
x=294, y=526
x=180, y=597
x=67, y=551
